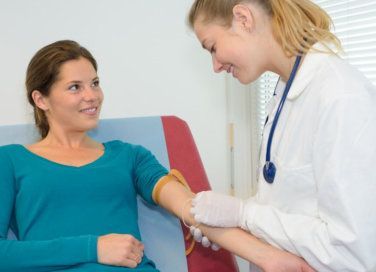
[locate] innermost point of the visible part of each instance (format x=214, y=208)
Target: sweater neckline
x=106, y=151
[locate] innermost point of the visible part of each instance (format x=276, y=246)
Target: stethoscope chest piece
x=269, y=172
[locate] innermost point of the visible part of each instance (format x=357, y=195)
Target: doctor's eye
x=212, y=50
x=95, y=83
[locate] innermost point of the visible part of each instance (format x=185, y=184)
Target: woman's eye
x=212, y=50
x=74, y=87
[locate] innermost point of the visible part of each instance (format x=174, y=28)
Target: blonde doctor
x=317, y=183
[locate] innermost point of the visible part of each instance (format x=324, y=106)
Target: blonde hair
x=296, y=24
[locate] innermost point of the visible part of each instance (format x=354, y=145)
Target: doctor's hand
x=217, y=210
x=119, y=250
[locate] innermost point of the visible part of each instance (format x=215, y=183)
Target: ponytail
x=296, y=24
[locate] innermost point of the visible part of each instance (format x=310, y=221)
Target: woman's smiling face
x=75, y=99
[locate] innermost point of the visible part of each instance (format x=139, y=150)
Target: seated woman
x=71, y=200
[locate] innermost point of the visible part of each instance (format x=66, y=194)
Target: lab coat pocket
x=295, y=188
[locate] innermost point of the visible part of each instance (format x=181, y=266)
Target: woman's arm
x=173, y=196
x=49, y=255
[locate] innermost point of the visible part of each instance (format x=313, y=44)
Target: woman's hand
x=120, y=250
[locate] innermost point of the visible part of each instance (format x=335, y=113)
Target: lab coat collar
x=311, y=63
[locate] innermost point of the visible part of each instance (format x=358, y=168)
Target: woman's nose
x=89, y=93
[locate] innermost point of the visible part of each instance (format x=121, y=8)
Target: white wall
x=239, y=112
x=149, y=64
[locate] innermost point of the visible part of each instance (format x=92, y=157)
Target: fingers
x=128, y=263
x=134, y=250
x=120, y=250
x=132, y=258
x=137, y=247
x=197, y=234
x=137, y=253
x=200, y=238
x=198, y=204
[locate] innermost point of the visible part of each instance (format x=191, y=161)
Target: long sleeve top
x=58, y=212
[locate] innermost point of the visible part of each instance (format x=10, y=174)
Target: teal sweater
x=58, y=212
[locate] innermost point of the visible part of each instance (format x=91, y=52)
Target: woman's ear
x=243, y=17
x=39, y=100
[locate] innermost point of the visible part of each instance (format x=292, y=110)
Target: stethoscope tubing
x=269, y=167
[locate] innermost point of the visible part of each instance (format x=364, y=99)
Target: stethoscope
x=269, y=169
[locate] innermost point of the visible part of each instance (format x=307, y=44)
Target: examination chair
x=170, y=140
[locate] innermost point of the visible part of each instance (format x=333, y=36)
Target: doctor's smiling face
x=238, y=49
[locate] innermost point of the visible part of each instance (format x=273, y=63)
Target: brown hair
x=43, y=71
x=296, y=24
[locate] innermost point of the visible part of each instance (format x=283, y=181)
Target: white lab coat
x=322, y=204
